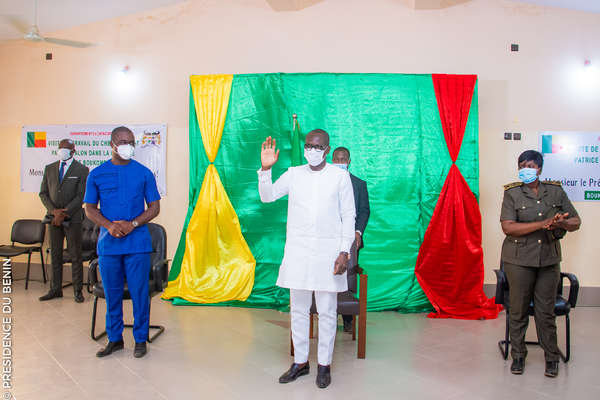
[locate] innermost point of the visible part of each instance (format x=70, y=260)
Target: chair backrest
x=89, y=235
x=502, y=287
x=28, y=231
x=159, y=246
x=351, y=274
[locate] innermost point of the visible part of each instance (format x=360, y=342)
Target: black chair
x=89, y=240
x=352, y=303
x=28, y=232
x=158, y=278
x=562, y=307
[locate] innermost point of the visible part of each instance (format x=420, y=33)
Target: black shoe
x=51, y=295
x=294, y=372
x=551, y=369
x=348, y=326
x=140, y=350
x=110, y=347
x=79, y=297
x=518, y=365
x=323, y=376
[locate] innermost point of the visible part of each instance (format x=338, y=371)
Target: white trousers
x=300, y=302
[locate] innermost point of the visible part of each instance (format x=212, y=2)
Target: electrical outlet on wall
x=507, y=136
x=517, y=136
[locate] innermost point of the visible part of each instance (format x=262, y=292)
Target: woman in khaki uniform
x=535, y=216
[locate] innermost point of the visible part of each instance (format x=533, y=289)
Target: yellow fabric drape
x=217, y=263
x=211, y=97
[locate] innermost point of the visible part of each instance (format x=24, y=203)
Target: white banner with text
x=572, y=158
x=39, y=145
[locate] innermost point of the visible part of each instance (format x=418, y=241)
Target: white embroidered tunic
x=320, y=224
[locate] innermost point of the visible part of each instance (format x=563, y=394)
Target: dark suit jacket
x=361, y=202
x=66, y=194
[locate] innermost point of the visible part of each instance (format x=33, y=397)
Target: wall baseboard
x=589, y=296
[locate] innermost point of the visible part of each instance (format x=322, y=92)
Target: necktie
x=61, y=171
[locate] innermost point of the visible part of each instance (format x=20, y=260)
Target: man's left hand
x=126, y=226
x=341, y=264
x=358, y=238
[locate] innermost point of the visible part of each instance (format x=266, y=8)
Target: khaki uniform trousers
x=539, y=284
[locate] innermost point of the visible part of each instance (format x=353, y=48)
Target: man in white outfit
x=320, y=232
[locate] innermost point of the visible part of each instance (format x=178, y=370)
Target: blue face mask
x=342, y=166
x=528, y=175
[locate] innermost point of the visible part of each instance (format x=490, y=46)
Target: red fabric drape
x=450, y=261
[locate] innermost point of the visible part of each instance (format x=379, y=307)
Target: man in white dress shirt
x=320, y=232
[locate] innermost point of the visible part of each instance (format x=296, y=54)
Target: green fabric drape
x=391, y=125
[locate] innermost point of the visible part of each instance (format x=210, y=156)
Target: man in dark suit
x=62, y=191
x=341, y=158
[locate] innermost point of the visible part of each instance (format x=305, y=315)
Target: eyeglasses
x=121, y=142
x=314, y=146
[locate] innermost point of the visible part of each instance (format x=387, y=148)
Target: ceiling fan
x=32, y=33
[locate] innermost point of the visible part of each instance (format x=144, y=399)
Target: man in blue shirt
x=121, y=186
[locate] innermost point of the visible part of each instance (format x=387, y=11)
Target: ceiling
x=581, y=5
x=55, y=15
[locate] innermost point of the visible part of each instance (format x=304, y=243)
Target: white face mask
x=314, y=156
x=64, y=154
x=125, y=151
x=342, y=166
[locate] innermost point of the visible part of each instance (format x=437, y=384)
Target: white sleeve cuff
x=264, y=176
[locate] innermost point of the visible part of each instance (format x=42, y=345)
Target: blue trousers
x=114, y=270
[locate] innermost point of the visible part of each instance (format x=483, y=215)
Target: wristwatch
x=134, y=223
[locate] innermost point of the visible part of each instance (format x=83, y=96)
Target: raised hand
x=268, y=154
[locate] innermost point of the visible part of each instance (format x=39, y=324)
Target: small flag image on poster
x=550, y=146
x=36, y=139
x=557, y=144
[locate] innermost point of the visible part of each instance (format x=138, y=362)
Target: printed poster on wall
x=39, y=145
x=573, y=158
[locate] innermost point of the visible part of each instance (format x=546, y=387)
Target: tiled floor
x=236, y=353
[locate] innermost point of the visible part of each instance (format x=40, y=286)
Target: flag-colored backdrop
x=391, y=124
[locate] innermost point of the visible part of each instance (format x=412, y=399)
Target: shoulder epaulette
x=555, y=183
x=513, y=185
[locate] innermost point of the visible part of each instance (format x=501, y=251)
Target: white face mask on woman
x=125, y=151
x=314, y=156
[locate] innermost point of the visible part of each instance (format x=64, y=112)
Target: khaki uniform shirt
x=520, y=204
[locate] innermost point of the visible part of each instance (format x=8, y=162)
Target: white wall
x=525, y=92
